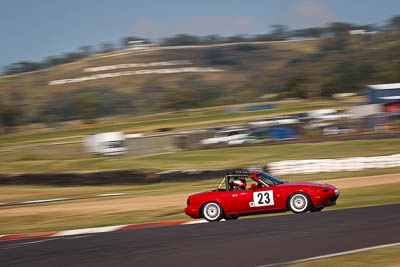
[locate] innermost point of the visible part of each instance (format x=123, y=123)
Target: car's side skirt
x=326, y=205
x=257, y=212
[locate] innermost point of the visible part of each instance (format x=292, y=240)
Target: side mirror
x=253, y=187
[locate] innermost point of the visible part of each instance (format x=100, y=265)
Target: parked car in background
x=253, y=137
x=337, y=129
x=281, y=120
x=111, y=143
x=319, y=113
x=226, y=136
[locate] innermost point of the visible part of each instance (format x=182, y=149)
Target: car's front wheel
x=212, y=212
x=299, y=203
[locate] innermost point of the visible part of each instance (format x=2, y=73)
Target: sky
x=31, y=30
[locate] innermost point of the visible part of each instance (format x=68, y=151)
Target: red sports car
x=266, y=194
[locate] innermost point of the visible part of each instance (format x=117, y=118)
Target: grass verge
x=378, y=257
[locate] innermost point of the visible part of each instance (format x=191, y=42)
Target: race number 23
x=263, y=198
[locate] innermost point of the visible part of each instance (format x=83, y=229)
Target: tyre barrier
x=333, y=165
x=131, y=177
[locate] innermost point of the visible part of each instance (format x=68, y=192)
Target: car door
x=264, y=198
x=237, y=201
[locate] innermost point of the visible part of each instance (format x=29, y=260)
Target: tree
x=71, y=57
x=330, y=85
x=338, y=43
x=53, y=61
x=279, y=32
x=8, y=115
x=236, y=39
x=263, y=37
x=340, y=28
x=219, y=56
x=21, y=67
x=309, y=32
x=181, y=39
x=394, y=23
x=86, y=50
x=347, y=76
x=212, y=39
x=106, y=47
x=296, y=86
x=87, y=105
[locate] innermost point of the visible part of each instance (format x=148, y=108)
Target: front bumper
x=192, y=212
x=326, y=199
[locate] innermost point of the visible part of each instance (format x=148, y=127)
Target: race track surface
x=245, y=242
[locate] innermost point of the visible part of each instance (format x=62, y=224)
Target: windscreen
x=269, y=179
x=115, y=144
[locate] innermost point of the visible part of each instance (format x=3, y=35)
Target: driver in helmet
x=239, y=184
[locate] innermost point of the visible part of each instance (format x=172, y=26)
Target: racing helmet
x=239, y=182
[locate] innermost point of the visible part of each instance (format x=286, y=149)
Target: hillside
x=174, y=78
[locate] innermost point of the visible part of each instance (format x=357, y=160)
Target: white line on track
x=21, y=244
x=199, y=221
x=89, y=230
x=26, y=243
x=60, y=199
x=195, y=222
x=331, y=255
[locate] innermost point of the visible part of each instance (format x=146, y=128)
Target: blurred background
x=311, y=79
x=128, y=96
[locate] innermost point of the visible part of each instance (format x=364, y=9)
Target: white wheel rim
x=211, y=211
x=298, y=203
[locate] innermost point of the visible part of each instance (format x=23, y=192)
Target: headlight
x=336, y=192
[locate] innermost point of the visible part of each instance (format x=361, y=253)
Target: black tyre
x=212, y=211
x=299, y=202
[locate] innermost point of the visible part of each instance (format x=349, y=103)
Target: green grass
x=368, y=196
x=13, y=162
x=378, y=257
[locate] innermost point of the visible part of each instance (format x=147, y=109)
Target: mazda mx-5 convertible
x=245, y=193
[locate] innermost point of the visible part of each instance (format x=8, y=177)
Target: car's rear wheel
x=299, y=202
x=212, y=212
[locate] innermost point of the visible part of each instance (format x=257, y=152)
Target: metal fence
x=152, y=144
